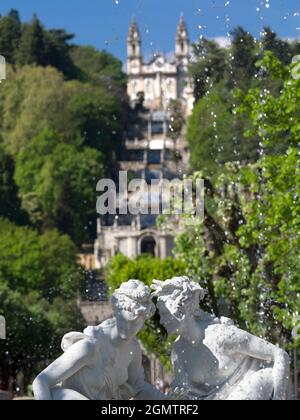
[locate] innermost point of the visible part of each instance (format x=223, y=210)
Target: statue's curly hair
x=179, y=294
x=134, y=297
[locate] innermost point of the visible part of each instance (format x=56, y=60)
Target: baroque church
x=160, y=80
x=150, y=151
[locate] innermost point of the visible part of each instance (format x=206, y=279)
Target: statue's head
x=132, y=306
x=177, y=299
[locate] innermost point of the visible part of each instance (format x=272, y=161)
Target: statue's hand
x=177, y=394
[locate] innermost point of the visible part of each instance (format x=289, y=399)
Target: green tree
x=35, y=98
x=99, y=117
x=32, y=48
x=40, y=47
x=233, y=66
x=145, y=268
x=209, y=67
x=32, y=99
x=45, y=264
x=99, y=68
x=58, y=52
x=216, y=133
x=244, y=54
x=283, y=50
x=62, y=179
x=31, y=44
x=247, y=247
x=10, y=35
x=10, y=202
x=34, y=331
x=39, y=282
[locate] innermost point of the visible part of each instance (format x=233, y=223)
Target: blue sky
x=104, y=23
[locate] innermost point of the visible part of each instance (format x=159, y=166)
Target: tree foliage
x=215, y=130
x=45, y=264
x=216, y=134
x=246, y=249
x=39, y=281
x=34, y=331
x=62, y=116
x=57, y=181
x=145, y=268
x=10, y=203
x=87, y=115
x=208, y=67
x=98, y=67
x=10, y=35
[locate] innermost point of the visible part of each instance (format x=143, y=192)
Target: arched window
x=148, y=246
x=134, y=49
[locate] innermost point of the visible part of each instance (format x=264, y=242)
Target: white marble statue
x=104, y=362
x=213, y=359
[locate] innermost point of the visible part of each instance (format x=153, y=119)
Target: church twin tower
x=160, y=80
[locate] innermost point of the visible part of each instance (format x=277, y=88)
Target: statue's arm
x=257, y=348
x=78, y=356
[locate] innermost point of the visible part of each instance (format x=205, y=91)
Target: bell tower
x=134, y=49
x=182, y=54
x=182, y=50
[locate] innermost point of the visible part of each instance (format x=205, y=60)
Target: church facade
x=150, y=151
x=160, y=80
